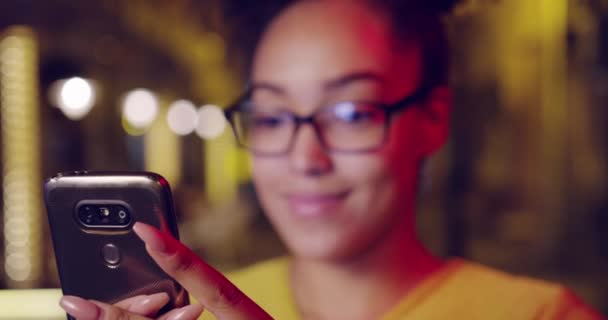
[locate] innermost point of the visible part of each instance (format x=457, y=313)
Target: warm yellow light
x=162, y=150
x=22, y=208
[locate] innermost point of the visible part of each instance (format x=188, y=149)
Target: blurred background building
x=137, y=85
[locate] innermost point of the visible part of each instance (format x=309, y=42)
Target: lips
x=315, y=204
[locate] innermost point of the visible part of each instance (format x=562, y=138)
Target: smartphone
x=91, y=215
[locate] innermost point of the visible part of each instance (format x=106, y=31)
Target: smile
x=315, y=204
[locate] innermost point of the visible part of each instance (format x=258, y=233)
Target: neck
x=365, y=287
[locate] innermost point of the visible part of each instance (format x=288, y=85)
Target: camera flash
x=104, y=212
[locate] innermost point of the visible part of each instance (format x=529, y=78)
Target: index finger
x=207, y=285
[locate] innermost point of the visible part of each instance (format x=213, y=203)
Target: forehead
x=316, y=41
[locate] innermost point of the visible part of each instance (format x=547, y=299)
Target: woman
x=346, y=100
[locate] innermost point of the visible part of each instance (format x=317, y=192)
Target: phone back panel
x=83, y=270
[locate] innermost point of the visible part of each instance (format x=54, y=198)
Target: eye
x=268, y=121
x=355, y=113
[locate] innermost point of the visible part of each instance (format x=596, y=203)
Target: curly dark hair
x=420, y=22
x=412, y=21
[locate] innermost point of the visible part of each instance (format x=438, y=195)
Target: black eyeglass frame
x=389, y=110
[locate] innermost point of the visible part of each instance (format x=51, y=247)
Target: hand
x=134, y=308
x=208, y=286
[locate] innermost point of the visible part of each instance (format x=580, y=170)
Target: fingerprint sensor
x=111, y=254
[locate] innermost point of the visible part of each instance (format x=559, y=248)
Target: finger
x=82, y=309
x=191, y=312
x=110, y=312
x=79, y=308
x=205, y=284
x=144, y=305
x=126, y=303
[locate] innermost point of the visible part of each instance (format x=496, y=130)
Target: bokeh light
x=20, y=144
x=211, y=122
x=75, y=97
x=140, y=108
x=182, y=117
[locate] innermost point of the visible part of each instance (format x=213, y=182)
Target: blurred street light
x=182, y=117
x=211, y=122
x=75, y=97
x=140, y=108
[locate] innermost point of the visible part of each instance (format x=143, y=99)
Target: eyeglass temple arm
x=420, y=94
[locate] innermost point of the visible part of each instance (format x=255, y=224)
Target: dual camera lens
x=103, y=215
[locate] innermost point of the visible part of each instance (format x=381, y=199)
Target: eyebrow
x=349, y=78
x=329, y=85
x=254, y=86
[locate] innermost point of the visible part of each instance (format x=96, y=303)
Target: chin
x=323, y=254
x=328, y=248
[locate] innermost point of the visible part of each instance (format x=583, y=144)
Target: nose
x=307, y=155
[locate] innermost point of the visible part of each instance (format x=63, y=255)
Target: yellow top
x=460, y=290
x=31, y=304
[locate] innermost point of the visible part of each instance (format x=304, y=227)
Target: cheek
x=268, y=175
x=373, y=182
x=387, y=179
x=402, y=150
x=366, y=172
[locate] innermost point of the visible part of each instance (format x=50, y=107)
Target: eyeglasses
x=347, y=127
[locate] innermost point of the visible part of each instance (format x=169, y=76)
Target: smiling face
x=324, y=204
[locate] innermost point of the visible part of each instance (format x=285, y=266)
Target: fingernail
x=157, y=299
x=153, y=238
x=79, y=308
x=192, y=311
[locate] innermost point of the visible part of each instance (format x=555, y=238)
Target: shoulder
x=495, y=290
x=494, y=281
